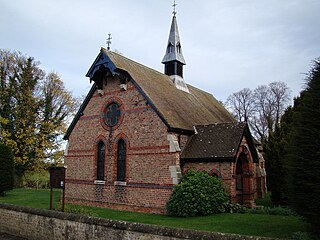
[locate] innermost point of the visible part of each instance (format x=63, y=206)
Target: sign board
x=57, y=180
x=57, y=176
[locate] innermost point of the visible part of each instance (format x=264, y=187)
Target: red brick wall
x=148, y=179
x=254, y=186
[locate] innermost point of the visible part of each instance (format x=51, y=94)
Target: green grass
x=245, y=224
x=32, y=198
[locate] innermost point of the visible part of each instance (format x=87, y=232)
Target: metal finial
x=174, y=8
x=109, y=41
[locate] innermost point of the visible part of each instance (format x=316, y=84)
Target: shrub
x=197, y=194
x=233, y=207
x=273, y=211
x=6, y=169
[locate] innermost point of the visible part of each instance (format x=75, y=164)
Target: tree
x=34, y=110
x=197, y=194
x=6, y=169
x=270, y=103
x=262, y=108
x=275, y=148
x=304, y=151
x=242, y=105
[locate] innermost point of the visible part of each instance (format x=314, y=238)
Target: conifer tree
x=275, y=149
x=304, y=151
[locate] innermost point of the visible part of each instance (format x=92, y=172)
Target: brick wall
x=39, y=224
x=148, y=183
x=254, y=183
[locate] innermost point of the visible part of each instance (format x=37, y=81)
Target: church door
x=242, y=179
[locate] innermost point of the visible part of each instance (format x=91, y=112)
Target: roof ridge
x=135, y=62
x=220, y=123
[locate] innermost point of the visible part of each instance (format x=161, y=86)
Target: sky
x=228, y=45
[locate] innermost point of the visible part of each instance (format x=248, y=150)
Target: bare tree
x=261, y=108
x=241, y=104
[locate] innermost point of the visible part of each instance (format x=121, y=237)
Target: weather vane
x=109, y=41
x=174, y=8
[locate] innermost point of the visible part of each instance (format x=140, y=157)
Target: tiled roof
x=179, y=109
x=215, y=141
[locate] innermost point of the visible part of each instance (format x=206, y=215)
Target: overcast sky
x=228, y=44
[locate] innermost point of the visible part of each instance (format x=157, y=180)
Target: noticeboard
x=57, y=177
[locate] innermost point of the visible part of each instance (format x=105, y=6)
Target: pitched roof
x=178, y=110
x=217, y=142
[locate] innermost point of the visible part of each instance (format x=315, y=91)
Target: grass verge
x=244, y=224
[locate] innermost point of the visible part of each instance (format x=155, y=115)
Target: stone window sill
x=99, y=182
x=118, y=183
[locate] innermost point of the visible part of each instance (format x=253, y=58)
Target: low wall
x=41, y=224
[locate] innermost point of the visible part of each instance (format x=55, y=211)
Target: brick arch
x=215, y=172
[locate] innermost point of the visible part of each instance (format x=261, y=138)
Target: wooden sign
x=57, y=180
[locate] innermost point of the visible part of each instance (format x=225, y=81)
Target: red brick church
x=138, y=130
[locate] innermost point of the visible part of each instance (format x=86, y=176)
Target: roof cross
x=109, y=41
x=174, y=8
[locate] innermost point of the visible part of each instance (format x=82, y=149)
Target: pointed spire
x=173, y=59
x=174, y=50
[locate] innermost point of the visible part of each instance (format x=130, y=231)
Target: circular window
x=112, y=114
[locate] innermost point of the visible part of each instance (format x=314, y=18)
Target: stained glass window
x=112, y=114
x=121, y=161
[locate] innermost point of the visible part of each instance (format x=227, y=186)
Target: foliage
x=265, y=202
x=273, y=211
x=264, y=225
x=197, y=194
x=233, y=207
x=34, y=110
x=262, y=108
x=6, y=169
x=304, y=151
x=36, y=179
x=275, y=149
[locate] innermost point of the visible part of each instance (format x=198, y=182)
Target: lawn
x=245, y=224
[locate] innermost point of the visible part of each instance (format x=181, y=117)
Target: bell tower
x=173, y=59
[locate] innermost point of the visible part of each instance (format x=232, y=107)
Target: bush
x=197, y=194
x=233, y=207
x=6, y=169
x=273, y=211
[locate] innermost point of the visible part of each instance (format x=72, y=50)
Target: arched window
x=100, y=161
x=121, y=161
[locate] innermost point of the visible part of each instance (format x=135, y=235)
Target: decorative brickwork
x=148, y=183
x=136, y=134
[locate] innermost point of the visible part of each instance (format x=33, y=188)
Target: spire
x=173, y=59
x=174, y=51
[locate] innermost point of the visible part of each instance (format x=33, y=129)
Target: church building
x=139, y=130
